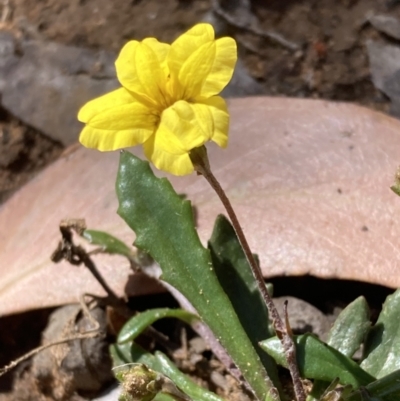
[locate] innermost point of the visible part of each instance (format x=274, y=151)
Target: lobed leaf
x=164, y=228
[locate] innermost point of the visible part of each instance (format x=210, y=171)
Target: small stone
x=385, y=71
x=386, y=24
x=83, y=365
x=303, y=317
x=242, y=83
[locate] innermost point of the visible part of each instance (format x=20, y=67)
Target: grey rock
x=385, y=71
x=77, y=365
x=395, y=108
x=239, y=11
x=44, y=84
x=384, y=61
x=8, y=57
x=391, y=88
x=112, y=393
x=220, y=25
x=243, y=84
x=391, y=85
x=304, y=317
x=386, y=24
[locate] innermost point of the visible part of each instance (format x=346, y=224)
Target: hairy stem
x=201, y=165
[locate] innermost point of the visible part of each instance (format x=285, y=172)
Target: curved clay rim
x=309, y=180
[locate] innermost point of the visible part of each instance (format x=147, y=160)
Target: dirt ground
x=327, y=59
x=330, y=61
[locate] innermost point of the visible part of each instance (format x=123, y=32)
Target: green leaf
x=346, y=335
x=164, y=228
x=164, y=397
x=387, y=388
x=359, y=395
x=319, y=361
x=350, y=327
x=396, y=186
x=120, y=354
x=137, y=324
x=237, y=280
x=382, y=347
x=395, y=189
x=109, y=243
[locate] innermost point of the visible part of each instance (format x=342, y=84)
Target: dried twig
x=92, y=333
x=81, y=336
x=76, y=255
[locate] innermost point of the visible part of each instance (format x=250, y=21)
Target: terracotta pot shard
x=309, y=181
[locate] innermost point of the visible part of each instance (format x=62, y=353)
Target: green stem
x=201, y=164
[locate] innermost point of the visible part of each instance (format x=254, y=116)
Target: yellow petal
x=176, y=164
x=115, y=98
x=161, y=50
x=190, y=125
x=195, y=70
x=104, y=140
x=139, y=69
x=183, y=127
x=209, y=69
x=127, y=116
x=116, y=126
x=179, y=130
x=186, y=44
x=222, y=67
x=218, y=112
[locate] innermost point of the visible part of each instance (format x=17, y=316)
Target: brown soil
x=331, y=61
x=189, y=352
x=23, y=153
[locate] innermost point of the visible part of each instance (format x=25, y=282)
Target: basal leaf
x=382, y=348
x=109, y=243
x=350, y=327
x=237, y=280
x=137, y=324
x=319, y=361
x=386, y=388
x=346, y=336
x=164, y=228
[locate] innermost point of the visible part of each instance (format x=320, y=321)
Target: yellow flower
x=167, y=101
